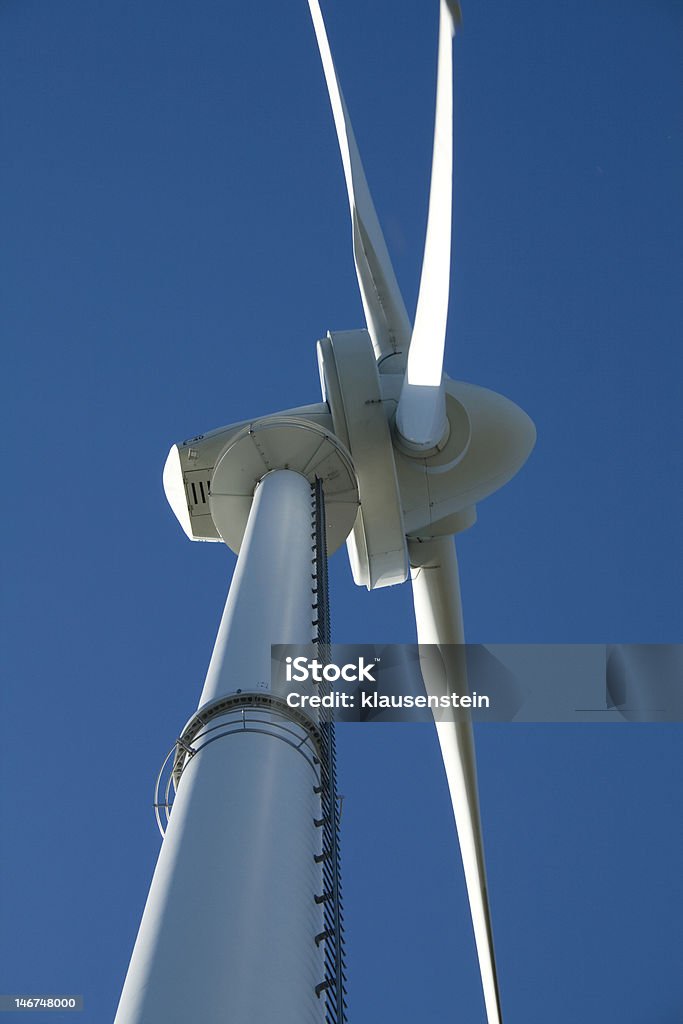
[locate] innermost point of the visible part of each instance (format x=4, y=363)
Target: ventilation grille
x=198, y=490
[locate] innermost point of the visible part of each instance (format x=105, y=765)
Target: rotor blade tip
x=455, y=13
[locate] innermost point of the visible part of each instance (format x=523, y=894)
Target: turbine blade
x=421, y=415
x=438, y=613
x=385, y=311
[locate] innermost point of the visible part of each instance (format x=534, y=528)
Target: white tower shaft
x=270, y=594
x=229, y=928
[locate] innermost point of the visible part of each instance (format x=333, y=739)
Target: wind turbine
x=243, y=920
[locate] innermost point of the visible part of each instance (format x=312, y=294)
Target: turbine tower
x=243, y=921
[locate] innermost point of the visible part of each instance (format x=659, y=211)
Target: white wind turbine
x=243, y=920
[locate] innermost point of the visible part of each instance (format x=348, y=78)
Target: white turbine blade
x=438, y=614
x=385, y=311
x=421, y=415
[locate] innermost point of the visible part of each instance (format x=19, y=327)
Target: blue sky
x=175, y=238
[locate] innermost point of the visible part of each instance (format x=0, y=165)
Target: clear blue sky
x=174, y=239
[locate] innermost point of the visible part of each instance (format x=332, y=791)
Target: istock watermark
x=610, y=683
x=302, y=670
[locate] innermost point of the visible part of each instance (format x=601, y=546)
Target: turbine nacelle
x=228, y=463
x=379, y=493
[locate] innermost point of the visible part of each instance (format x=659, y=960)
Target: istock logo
x=302, y=670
